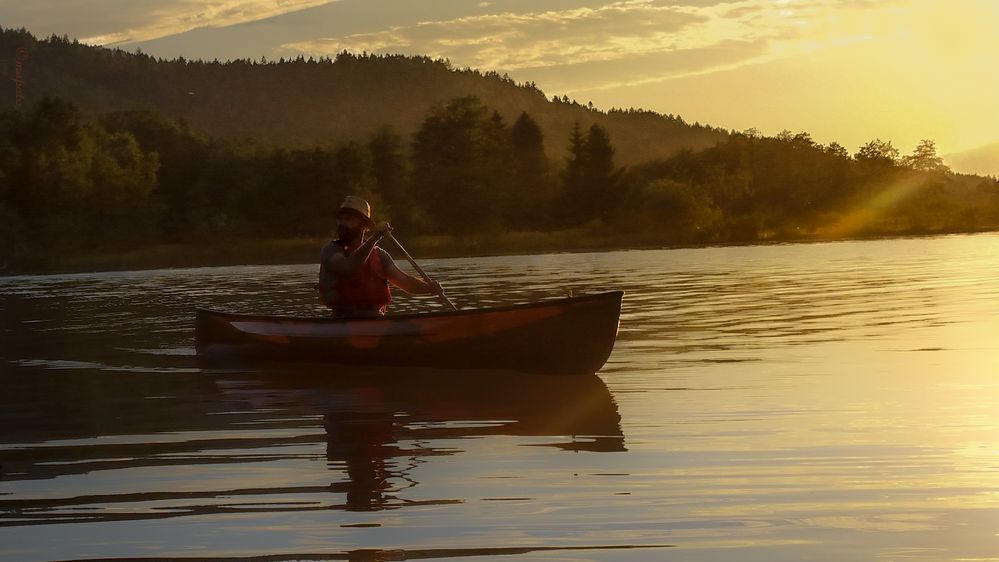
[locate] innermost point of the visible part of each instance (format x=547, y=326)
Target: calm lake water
x=835, y=401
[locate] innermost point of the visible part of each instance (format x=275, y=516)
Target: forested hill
x=305, y=102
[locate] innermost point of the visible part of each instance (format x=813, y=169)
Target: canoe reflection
x=380, y=425
x=254, y=437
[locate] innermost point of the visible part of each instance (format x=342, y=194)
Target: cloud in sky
x=177, y=16
x=512, y=41
x=113, y=22
x=623, y=42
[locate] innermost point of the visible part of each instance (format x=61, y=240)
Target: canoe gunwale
x=415, y=315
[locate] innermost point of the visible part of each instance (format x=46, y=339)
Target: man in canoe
x=354, y=274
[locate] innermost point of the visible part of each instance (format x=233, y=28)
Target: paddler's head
x=353, y=218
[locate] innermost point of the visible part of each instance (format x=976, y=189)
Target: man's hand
x=435, y=288
x=381, y=229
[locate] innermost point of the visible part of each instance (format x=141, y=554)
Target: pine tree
x=590, y=178
x=530, y=193
x=572, y=178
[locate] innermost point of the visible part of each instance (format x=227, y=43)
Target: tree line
x=73, y=181
x=751, y=187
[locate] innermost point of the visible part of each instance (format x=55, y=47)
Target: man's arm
x=405, y=281
x=343, y=265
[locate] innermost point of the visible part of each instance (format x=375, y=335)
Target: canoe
x=571, y=336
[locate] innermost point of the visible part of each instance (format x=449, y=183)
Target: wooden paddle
x=443, y=298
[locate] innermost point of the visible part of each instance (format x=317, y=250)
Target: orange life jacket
x=366, y=291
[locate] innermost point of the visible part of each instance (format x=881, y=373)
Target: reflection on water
x=373, y=427
x=823, y=402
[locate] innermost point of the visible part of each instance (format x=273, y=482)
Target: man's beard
x=348, y=234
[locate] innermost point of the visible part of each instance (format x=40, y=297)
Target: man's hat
x=356, y=205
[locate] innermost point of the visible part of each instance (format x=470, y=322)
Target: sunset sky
x=843, y=70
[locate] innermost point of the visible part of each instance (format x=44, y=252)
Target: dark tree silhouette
x=924, y=158
x=461, y=166
x=531, y=191
x=590, y=177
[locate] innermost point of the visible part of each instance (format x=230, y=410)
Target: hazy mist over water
x=834, y=401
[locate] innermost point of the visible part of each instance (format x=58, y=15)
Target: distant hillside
x=983, y=160
x=305, y=102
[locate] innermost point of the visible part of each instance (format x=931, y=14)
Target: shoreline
x=249, y=252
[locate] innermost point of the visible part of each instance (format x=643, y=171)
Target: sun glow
x=870, y=214
x=901, y=71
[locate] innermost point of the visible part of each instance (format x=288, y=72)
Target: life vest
x=366, y=291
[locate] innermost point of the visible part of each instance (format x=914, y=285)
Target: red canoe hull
x=564, y=336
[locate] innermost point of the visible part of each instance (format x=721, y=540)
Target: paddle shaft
x=443, y=298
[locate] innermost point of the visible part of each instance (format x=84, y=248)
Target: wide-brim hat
x=357, y=206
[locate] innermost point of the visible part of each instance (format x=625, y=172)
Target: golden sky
x=843, y=70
